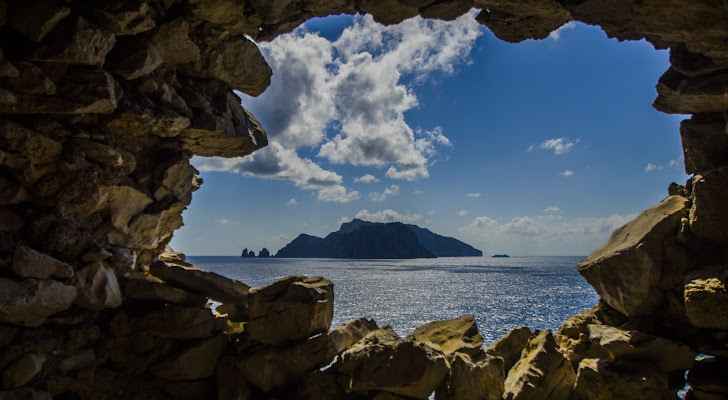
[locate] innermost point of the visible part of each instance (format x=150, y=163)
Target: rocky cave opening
x=103, y=105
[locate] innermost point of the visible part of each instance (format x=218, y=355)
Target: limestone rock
x=322, y=8
x=31, y=301
x=28, y=263
x=290, y=309
x=604, y=379
x=133, y=58
x=23, y=370
x=124, y=203
x=124, y=18
x=706, y=297
x=168, y=254
x=510, y=346
x=236, y=61
x=626, y=271
x=541, y=373
x=705, y=143
x=235, y=16
x=680, y=94
x=37, y=21
x=97, y=287
x=320, y=385
x=471, y=380
x=194, y=362
x=710, y=375
x=275, y=11
x=515, y=21
x=382, y=361
x=37, y=148
x=450, y=336
x=447, y=10
x=387, y=12
x=223, y=130
x=30, y=80
x=179, y=181
x=78, y=43
x=210, y=284
x=710, y=198
x=692, y=64
x=177, y=322
x=664, y=354
x=80, y=359
x=144, y=289
x=271, y=368
x=100, y=153
x=231, y=384
x=173, y=42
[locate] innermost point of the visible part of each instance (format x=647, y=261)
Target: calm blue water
x=502, y=293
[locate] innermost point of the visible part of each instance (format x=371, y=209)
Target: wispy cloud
x=225, y=221
x=473, y=195
x=567, y=173
x=559, y=146
x=552, y=209
x=651, y=167
x=556, y=35
x=463, y=213
x=292, y=202
x=390, y=191
x=418, y=192
x=368, y=178
x=388, y=215
x=678, y=163
x=343, y=220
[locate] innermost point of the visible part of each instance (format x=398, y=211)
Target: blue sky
x=537, y=148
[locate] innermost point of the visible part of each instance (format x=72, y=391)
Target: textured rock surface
x=706, y=297
x=626, y=271
x=541, y=373
x=104, y=103
x=510, y=346
x=382, y=361
x=290, y=309
x=449, y=336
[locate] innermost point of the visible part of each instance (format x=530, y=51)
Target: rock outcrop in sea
x=370, y=240
x=104, y=103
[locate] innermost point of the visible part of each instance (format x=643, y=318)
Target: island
x=360, y=239
x=500, y=256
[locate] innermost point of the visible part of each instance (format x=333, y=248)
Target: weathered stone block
x=387, y=12
x=510, y=346
x=133, y=58
x=382, y=361
x=30, y=302
x=705, y=142
x=177, y=322
x=38, y=20
x=706, y=297
x=471, y=380
x=194, y=362
x=626, y=271
x=78, y=42
x=97, y=287
x=541, y=373
x=290, y=309
x=708, y=218
x=23, y=370
x=447, y=10
x=210, y=284
x=28, y=263
x=125, y=17
x=516, y=21
x=142, y=289
x=173, y=42
x=605, y=379
x=680, y=94
x=450, y=336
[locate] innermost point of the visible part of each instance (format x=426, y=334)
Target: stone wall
x=104, y=102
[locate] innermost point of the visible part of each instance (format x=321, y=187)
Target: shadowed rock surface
x=104, y=103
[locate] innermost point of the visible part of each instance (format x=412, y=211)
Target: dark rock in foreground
x=366, y=240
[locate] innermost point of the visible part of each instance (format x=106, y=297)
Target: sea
x=502, y=293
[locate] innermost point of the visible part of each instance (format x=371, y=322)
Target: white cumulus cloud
x=390, y=191
x=368, y=178
x=567, y=173
x=292, y=202
x=552, y=209
x=463, y=213
x=388, y=215
x=556, y=35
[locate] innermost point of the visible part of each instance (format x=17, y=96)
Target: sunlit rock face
x=104, y=103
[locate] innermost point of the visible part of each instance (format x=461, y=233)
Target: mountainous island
x=367, y=240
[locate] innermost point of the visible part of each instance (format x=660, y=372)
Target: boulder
x=510, y=346
x=290, y=309
x=626, y=271
x=473, y=380
x=381, y=361
x=320, y=385
x=387, y=12
x=75, y=361
x=150, y=290
x=177, y=322
x=99, y=152
x=31, y=301
x=704, y=142
x=447, y=10
x=706, y=297
x=450, y=336
x=606, y=379
x=132, y=58
x=681, y=94
x=275, y=11
x=79, y=43
x=97, y=287
x=22, y=370
x=173, y=42
x=179, y=181
x=542, y=372
x=515, y=21
x=231, y=385
x=36, y=22
x=272, y=368
x=28, y=263
x=210, y=284
x=710, y=199
x=664, y=354
x=193, y=362
x=124, y=18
